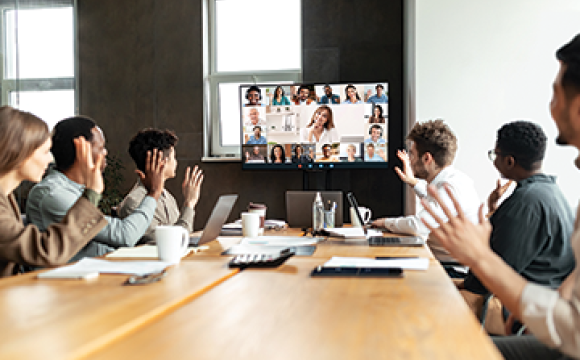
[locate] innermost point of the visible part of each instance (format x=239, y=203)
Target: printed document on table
x=88, y=265
x=357, y=262
x=280, y=241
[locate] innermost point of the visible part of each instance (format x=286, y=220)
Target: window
x=250, y=41
x=38, y=73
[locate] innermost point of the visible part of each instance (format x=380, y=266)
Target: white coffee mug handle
x=368, y=215
x=184, y=241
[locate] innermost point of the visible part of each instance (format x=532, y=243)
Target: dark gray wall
x=141, y=66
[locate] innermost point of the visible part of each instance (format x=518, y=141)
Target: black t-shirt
x=531, y=233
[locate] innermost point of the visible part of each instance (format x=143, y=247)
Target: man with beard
x=329, y=97
x=432, y=149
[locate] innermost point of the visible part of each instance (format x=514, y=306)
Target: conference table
x=204, y=310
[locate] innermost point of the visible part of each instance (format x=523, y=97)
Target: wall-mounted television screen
x=314, y=126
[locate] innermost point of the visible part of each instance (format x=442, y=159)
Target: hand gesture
x=496, y=194
x=465, y=241
x=153, y=178
x=90, y=167
x=191, y=186
x=382, y=155
x=246, y=138
x=378, y=223
x=406, y=175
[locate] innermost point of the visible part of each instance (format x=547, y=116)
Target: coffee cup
x=365, y=213
x=172, y=242
x=261, y=210
x=250, y=224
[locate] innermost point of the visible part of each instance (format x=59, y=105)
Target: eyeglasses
x=492, y=154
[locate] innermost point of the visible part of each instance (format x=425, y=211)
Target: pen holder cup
x=329, y=216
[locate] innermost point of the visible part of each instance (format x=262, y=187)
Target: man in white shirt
x=552, y=316
x=432, y=149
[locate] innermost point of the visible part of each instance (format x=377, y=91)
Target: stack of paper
x=91, y=266
x=144, y=252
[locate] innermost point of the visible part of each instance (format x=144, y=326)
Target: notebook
x=299, y=207
x=217, y=219
x=380, y=240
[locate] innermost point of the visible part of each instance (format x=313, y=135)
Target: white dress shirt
x=327, y=137
x=462, y=188
x=551, y=318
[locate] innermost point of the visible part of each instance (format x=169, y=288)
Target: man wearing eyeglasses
x=531, y=228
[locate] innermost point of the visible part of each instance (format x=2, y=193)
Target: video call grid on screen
x=314, y=126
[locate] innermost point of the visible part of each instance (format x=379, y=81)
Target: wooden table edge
x=135, y=324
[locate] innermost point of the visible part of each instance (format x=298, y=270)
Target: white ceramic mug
x=172, y=242
x=262, y=213
x=365, y=213
x=250, y=224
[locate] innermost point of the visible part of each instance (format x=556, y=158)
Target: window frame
x=213, y=148
x=9, y=85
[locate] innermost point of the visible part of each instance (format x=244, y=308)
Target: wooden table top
x=285, y=314
x=64, y=319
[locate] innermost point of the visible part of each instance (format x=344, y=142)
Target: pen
x=395, y=257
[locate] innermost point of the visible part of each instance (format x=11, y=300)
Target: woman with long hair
x=277, y=155
x=321, y=127
x=377, y=117
x=24, y=155
x=279, y=98
x=351, y=95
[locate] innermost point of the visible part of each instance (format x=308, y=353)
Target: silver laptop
x=299, y=207
x=380, y=240
x=217, y=219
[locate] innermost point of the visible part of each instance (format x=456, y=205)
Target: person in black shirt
x=531, y=228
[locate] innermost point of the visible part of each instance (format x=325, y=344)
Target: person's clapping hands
x=465, y=241
x=153, y=178
x=406, y=174
x=91, y=168
x=191, y=186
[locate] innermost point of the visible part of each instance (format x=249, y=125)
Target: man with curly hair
x=531, y=228
x=432, y=149
x=167, y=211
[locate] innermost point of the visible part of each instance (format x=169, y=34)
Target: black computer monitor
x=314, y=126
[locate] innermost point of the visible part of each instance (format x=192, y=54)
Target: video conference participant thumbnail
x=254, y=116
x=279, y=97
x=351, y=153
x=375, y=135
x=375, y=153
x=255, y=153
x=256, y=138
x=328, y=153
x=254, y=96
x=329, y=97
x=277, y=154
x=303, y=154
x=379, y=97
x=303, y=96
x=321, y=127
x=377, y=115
x=352, y=96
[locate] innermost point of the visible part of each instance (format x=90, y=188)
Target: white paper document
x=280, y=241
x=145, y=252
x=357, y=262
x=89, y=265
x=353, y=233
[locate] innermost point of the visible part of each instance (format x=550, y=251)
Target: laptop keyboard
x=381, y=241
